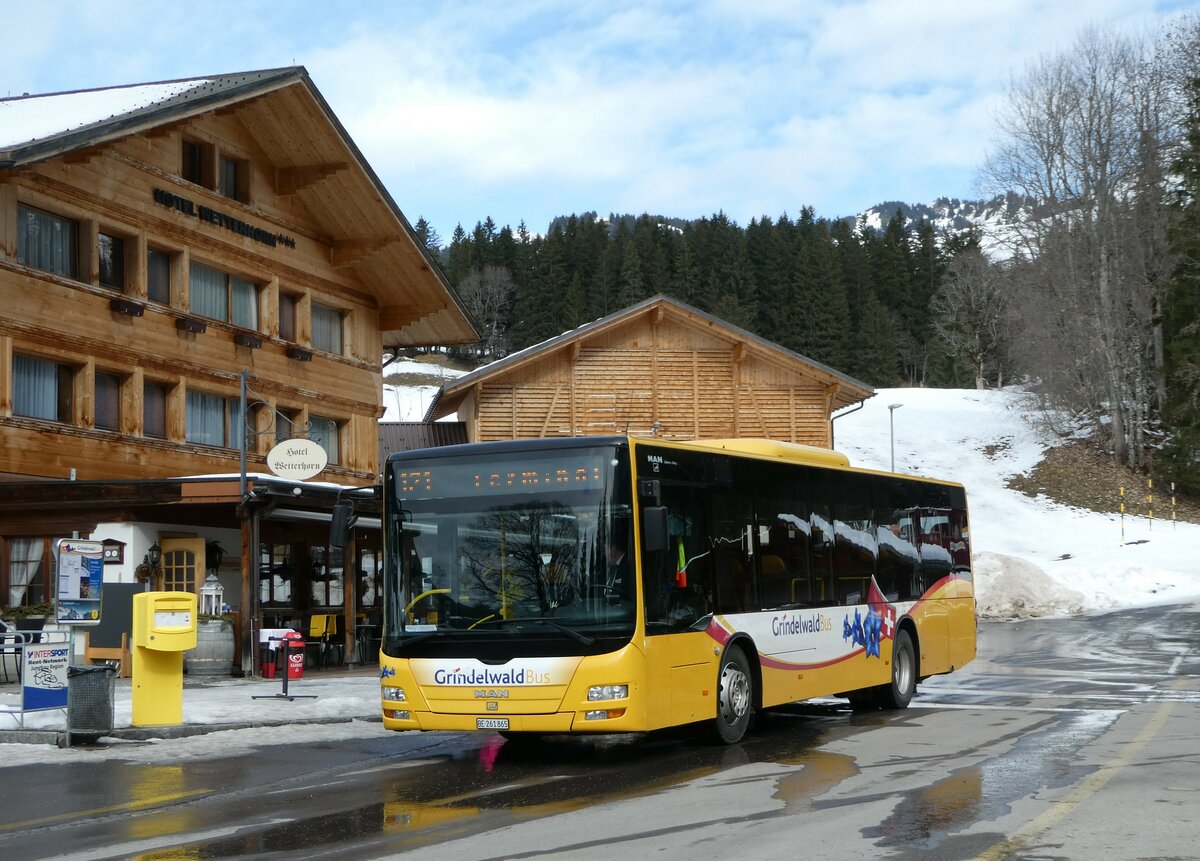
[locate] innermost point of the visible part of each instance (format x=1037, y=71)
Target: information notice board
x=80, y=580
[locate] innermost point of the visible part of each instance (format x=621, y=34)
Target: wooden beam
x=347, y=252
x=550, y=412
x=739, y=351
x=289, y=180
x=81, y=156
x=392, y=317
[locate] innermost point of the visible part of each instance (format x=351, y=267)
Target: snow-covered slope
x=992, y=218
x=1031, y=556
x=409, y=403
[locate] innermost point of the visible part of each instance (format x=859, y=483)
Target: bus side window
x=855, y=544
x=822, y=554
x=897, y=516
x=783, y=552
x=677, y=581
x=734, y=574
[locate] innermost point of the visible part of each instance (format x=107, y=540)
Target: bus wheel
x=900, y=692
x=735, y=697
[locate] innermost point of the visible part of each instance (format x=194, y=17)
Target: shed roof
x=409, y=436
x=849, y=390
x=314, y=157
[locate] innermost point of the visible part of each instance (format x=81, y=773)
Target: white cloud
x=467, y=110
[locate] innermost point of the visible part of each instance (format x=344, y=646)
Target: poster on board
x=80, y=580
x=44, y=679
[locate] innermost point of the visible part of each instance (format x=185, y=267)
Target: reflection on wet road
x=977, y=754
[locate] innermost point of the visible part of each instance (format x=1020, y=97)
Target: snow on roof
x=29, y=118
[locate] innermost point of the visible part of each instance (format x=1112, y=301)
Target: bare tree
x=971, y=315
x=487, y=293
x=1086, y=136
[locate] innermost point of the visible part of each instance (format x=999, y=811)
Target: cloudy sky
x=525, y=111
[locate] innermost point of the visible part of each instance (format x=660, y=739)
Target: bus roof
x=760, y=447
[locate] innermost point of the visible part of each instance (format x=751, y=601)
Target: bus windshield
x=491, y=556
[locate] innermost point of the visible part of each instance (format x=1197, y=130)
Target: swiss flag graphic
x=887, y=613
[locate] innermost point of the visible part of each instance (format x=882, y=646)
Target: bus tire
x=735, y=697
x=899, y=693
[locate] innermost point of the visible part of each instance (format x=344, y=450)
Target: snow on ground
x=214, y=702
x=1032, y=557
x=409, y=403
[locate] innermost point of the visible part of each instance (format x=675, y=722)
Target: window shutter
x=108, y=402
x=154, y=415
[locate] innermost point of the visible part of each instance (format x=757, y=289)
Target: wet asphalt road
x=1066, y=739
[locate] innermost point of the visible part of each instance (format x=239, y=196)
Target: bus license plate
x=491, y=723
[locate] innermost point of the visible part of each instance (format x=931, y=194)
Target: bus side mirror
x=341, y=523
x=654, y=528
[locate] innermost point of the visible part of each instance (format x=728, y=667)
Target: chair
x=119, y=655
x=324, y=636
x=10, y=644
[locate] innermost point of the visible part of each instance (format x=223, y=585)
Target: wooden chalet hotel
x=157, y=241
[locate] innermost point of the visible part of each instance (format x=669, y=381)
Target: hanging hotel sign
x=220, y=219
x=297, y=459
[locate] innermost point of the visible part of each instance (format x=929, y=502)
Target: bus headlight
x=393, y=694
x=608, y=692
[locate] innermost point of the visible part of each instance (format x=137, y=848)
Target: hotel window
x=154, y=410
x=112, y=261
x=158, y=276
x=286, y=424
x=220, y=296
x=234, y=178
x=326, y=329
x=47, y=242
x=108, y=402
x=287, y=316
x=327, y=572
x=42, y=390
x=28, y=578
x=275, y=574
x=213, y=420
x=194, y=157
x=324, y=432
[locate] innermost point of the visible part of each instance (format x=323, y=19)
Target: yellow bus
x=625, y=584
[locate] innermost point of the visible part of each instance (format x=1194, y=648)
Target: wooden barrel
x=213, y=655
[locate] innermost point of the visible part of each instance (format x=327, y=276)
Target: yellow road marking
x=1085, y=790
x=96, y=811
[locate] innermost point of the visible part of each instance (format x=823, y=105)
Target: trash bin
x=268, y=660
x=90, y=701
x=293, y=651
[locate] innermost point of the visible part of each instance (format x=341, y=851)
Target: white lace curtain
x=26, y=561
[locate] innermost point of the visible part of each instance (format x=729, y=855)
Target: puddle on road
x=1043, y=759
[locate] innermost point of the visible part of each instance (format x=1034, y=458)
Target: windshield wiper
x=558, y=626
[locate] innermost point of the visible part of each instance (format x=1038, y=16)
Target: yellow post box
x=164, y=627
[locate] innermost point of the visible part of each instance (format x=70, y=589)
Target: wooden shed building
x=159, y=244
x=660, y=367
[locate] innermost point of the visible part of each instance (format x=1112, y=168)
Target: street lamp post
x=892, y=430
